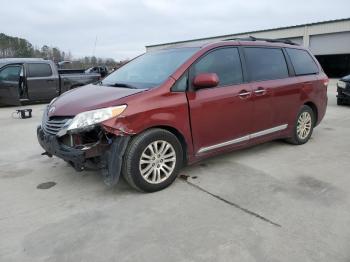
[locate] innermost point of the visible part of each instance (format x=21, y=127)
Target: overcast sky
x=124, y=27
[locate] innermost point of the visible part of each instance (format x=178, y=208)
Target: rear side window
x=39, y=70
x=265, y=63
x=302, y=62
x=225, y=62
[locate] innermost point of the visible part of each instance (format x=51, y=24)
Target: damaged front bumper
x=105, y=155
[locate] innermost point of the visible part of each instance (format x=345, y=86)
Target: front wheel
x=303, y=127
x=152, y=160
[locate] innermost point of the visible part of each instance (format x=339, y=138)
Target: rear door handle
x=260, y=91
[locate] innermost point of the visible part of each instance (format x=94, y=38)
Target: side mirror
x=206, y=80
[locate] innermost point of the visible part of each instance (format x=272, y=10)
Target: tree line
x=19, y=47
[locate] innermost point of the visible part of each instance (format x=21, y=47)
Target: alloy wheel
x=304, y=125
x=157, y=161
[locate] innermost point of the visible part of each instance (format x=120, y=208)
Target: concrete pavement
x=272, y=202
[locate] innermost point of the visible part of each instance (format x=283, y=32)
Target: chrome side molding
x=227, y=143
x=269, y=131
x=243, y=138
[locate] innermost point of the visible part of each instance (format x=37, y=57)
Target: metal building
x=328, y=40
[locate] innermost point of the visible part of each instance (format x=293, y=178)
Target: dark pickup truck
x=37, y=80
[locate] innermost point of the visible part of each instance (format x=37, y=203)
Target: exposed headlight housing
x=90, y=118
x=341, y=84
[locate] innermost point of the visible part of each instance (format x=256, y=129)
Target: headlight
x=341, y=84
x=89, y=118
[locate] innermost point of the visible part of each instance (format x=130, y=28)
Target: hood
x=87, y=98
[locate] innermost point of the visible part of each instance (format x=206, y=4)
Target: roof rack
x=252, y=38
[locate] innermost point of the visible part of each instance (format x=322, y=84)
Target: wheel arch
x=314, y=109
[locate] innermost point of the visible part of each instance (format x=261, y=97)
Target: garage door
x=337, y=43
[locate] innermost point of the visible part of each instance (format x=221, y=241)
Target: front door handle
x=244, y=94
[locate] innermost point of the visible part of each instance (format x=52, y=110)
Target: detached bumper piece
x=105, y=155
x=112, y=160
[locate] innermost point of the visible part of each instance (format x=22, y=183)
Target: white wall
x=322, y=38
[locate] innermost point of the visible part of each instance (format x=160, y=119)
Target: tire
x=157, y=170
x=307, y=116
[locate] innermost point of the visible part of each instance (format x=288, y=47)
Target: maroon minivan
x=176, y=106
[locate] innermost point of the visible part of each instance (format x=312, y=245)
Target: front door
x=220, y=116
x=41, y=82
x=10, y=85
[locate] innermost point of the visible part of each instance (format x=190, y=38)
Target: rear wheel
x=152, y=160
x=303, y=127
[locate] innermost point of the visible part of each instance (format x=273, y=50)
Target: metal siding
x=326, y=44
x=295, y=32
x=328, y=28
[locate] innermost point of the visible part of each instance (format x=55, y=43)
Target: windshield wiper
x=121, y=85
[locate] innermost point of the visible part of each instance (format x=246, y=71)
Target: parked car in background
x=102, y=70
x=35, y=80
x=343, y=88
x=173, y=107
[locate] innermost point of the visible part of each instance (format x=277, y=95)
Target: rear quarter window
x=39, y=70
x=265, y=63
x=302, y=62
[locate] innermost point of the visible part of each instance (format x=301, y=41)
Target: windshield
x=149, y=70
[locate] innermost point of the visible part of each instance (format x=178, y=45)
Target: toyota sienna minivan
x=173, y=107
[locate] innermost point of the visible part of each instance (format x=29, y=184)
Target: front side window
x=302, y=62
x=39, y=70
x=181, y=84
x=149, y=70
x=10, y=73
x=265, y=63
x=225, y=62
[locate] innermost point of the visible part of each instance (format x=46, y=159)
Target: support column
x=306, y=37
